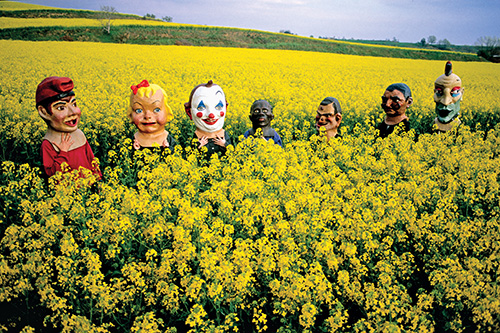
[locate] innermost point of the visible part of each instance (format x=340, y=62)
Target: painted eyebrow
x=219, y=91
x=59, y=103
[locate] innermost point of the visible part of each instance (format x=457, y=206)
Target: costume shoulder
x=227, y=138
x=248, y=133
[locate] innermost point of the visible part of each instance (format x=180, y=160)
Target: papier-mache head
x=56, y=104
x=448, y=93
x=207, y=107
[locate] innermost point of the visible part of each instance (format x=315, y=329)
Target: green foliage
x=62, y=13
x=213, y=36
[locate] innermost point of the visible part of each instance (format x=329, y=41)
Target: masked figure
x=207, y=107
x=63, y=142
x=448, y=92
x=149, y=112
x=395, y=101
x=261, y=114
x=329, y=117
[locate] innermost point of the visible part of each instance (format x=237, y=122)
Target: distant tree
x=149, y=16
x=167, y=18
x=488, y=42
x=287, y=32
x=444, y=44
x=422, y=42
x=395, y=40
x=106, y=14
x=431, y=39
x=489, y=48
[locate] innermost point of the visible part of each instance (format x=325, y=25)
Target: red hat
x=53, y=89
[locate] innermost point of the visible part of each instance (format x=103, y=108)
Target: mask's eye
x=455, y=92
x=138, y=111
x=156, y=110
x=396, y=99
x=384, y=99
x=201, y=106
x=438, y=91
x=219, y=106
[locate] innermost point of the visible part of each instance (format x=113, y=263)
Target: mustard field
x=14, y=22
x=357, y=234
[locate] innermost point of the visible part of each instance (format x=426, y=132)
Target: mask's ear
x=409, y=101
x=338, y=117
x=43, y=113
x=187, y=107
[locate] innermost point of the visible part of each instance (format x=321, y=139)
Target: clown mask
x=448, y=92
x=208, y=108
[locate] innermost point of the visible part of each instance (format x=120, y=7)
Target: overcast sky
x=459, y=21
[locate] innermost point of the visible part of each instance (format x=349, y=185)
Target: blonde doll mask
x=149, y=112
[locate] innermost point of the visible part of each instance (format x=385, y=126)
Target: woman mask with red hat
x=63, y=142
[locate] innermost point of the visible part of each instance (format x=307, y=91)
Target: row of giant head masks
x=207, y=105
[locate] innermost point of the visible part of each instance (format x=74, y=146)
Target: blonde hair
x=149, y=91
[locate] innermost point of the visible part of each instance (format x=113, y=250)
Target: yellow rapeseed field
x=294, y=82
x=14, y=22
x=357, y=234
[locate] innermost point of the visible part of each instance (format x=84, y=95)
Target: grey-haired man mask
x=395, y=101
x=329, y=117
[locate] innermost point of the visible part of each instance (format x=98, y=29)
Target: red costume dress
x=79, y=157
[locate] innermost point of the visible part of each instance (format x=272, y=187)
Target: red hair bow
x=144, y=83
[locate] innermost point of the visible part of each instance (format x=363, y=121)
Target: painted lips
x=72, y=122
x=210, y=121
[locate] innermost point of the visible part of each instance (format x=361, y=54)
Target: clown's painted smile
x=210, y=121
